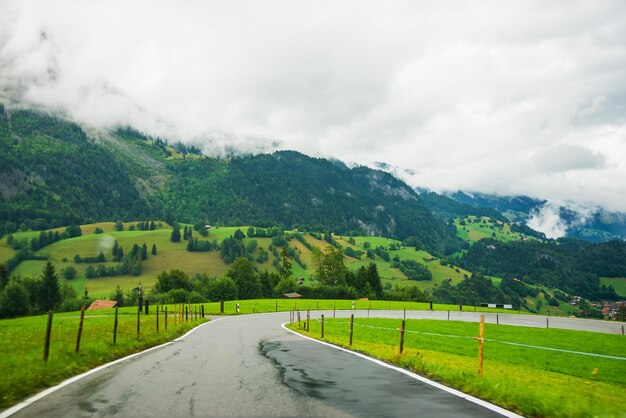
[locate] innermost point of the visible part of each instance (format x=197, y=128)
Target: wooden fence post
x=402, y=335
x=157, y=317
x=80, y=328
x=448, y=314
x=334, y=308
x=481, y=344
x=322, y=325
x=497, y=319
x=276, y=306
x=431, y=305
x=547, y=323
x=115, y=328
x=46, y=344
x=139, y=322
x=299, y=324
x=186, y=314
x=351, y=327
x=404, y=317
x=165, y=318
x=202, y=311
x=308, y=320
x=147, y=306
x=221, y=306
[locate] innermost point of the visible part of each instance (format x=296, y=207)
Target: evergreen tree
x=175, y=237
x=152, y=226
x=115, y=248
x=251, y=232
x=239, y=235
x=285, y=264
x=74, y=231
x=373, y=279
x=134, y=252
x=50, y=291
x=4, y=276
x=144, y=252
x=154, y=249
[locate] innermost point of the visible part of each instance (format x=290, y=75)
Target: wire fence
x=434, y=334
x=350, y=326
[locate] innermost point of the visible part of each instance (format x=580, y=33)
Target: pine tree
x=144, y=251
x=285, y=265
x=152, y=226
x=115, y=248
x=4, y=276
x=175, y=237
x=50, y=291
x=154, y=249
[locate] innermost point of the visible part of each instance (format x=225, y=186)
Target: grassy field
x=277, y=305
x=21, y=356
x=175, y=255
x=476, y=229
x=530, y=381
x=619, y=283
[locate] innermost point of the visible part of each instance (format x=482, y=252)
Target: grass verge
x=21, y=355
x=531, y=382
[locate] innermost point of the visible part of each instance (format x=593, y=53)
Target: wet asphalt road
x=249, y=366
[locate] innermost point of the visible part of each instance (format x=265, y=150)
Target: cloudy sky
x=508, y=97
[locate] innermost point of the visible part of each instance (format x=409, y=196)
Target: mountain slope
x=54, y=174
x=598, y=225
x=299, y=191
x=50, y=170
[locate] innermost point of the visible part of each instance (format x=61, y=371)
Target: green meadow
x=23, y=370
x=619, y=283
x=529, y=381
x=175, y=256
x=476, y=229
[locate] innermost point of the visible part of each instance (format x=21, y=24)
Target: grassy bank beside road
x=22, y=367
x=527, y=380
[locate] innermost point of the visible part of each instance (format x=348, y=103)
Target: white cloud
x=499, y=97
x=548, y=221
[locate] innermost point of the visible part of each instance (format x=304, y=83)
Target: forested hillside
x=54, y=174
x=568, y=264
x=51, y=174
x=302, y=192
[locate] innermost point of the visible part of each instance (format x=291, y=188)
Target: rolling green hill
x=175, y=256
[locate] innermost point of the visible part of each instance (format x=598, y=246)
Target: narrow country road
x=250, y=366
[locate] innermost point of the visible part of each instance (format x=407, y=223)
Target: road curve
x=249, y=366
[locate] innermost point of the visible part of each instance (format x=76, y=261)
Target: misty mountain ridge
x=569, y=220
x=593, y=224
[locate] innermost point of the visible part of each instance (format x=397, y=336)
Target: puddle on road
x=291, y=372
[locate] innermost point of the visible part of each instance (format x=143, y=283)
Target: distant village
x=609, y=309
